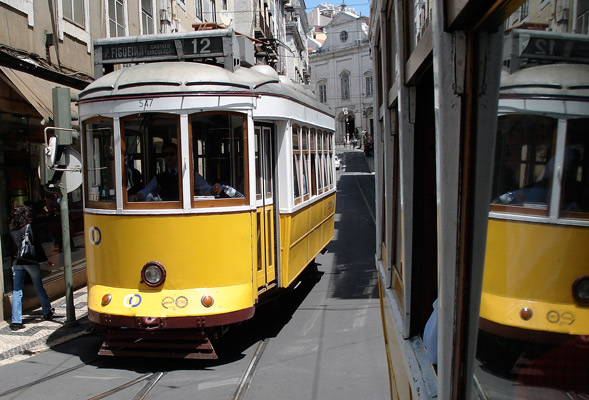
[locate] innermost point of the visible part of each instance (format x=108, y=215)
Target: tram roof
x=552, y=79
x=181, y=78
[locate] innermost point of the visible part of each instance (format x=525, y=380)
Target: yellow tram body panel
x=203, y=254
x=534, y=265
x=304, y=234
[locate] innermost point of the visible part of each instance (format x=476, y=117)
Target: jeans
x=34, y=271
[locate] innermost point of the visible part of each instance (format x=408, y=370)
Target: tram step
x=169, y=344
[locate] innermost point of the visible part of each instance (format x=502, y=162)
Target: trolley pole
x=63, y=119
x=70, y=311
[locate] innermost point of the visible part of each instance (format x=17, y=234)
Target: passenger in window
x=164, y=186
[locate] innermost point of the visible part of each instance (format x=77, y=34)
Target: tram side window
x=99, y=161
x=575, y=180
x=296, y=163
x=218, y=154
x=151, y=154
x=524, y=159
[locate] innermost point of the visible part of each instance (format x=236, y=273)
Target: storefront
x=25, y=110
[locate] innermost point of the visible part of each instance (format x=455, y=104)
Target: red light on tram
x=106, y=300
x=526, y=313
x=207, y=300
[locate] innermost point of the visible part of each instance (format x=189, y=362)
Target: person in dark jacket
x=19, y=224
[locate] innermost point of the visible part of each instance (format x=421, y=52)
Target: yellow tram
x=208, y=185
x=536, y=280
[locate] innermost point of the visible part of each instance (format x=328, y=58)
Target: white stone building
x=341, y=75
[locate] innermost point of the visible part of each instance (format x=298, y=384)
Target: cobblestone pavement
x=39, y=334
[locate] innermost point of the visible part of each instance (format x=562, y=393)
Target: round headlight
x=153, y=274
x=581, y=291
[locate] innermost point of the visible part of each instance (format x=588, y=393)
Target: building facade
x=341, y=75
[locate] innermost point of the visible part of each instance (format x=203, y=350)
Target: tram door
x=266, y=257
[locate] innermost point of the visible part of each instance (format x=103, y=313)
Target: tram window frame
x=151, y=165
x=305, y=160
x=577, y=145
x=220, y=201
x=528, y=164
x=296, y=159
x=320, y=162
x=90, y=154
x=257, y=160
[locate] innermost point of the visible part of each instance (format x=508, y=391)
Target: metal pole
x=1, y=283
x=70, y=311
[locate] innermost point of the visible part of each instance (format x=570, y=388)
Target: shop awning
x=37, y=91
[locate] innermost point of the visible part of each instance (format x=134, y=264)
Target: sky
x=360, y=6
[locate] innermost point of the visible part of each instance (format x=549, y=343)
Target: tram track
x=150, y=380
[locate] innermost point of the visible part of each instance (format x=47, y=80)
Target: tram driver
x=164, y=186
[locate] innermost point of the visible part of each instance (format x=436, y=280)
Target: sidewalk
x=40, y=335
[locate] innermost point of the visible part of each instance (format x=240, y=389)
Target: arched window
x=345, y=81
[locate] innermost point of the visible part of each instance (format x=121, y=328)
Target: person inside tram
x=164, y=186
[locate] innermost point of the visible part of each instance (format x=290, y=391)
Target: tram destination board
x=152, y=48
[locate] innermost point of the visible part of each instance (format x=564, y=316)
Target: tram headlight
x=153, y=274
x=581, y=291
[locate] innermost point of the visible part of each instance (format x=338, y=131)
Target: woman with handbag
x=28, y=252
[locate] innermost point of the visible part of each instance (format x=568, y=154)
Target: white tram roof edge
x=547, y=80
x=191, y=78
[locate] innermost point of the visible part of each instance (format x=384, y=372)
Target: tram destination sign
x=168, y=47
x=531, y=47
x=171, y=48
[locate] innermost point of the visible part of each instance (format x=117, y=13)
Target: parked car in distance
x=337, y=162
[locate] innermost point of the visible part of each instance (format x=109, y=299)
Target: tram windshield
x=154, y=166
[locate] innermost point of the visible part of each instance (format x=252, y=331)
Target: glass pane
x=258, y=163
x=151, y=157
x=268, y=161
x=533, y=338
x=295, y=176
x=218, y=155
x=67, y=10
x=99, y=161
x=575, y=186
x=79, y=12
x=295, y=138
x=524, y=160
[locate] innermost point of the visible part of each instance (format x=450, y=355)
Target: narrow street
x=323, y=340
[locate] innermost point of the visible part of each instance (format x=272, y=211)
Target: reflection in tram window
x=525, y=146
x=218, y=153
x=99, y=160
x=575, y=192
x=151, y=149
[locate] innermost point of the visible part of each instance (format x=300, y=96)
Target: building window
x=368, y=85
x=116, y=18
x=224, y=4
x=582, y=19
x=198, y=5
x=147, y=17
x=524, y=10
x=343, y=36
x=73, y=11
x=213, y=10
x=345, y=80
x=323, y=93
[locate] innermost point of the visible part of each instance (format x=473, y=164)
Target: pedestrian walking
x=27, y=254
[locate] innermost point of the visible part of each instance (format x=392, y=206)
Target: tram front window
x=218, y=155
x=151, y=157
x=524, y=162
x=99, y=161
